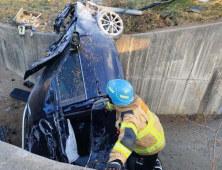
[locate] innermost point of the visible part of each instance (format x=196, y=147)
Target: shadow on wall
x=175, y=71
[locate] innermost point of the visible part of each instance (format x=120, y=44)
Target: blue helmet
x=120, y=91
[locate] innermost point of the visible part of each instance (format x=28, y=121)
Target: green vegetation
x=49, y=9
x=170, y=14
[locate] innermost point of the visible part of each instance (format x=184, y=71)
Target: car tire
x=110, y=23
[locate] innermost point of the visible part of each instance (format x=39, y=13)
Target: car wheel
x=110, y=23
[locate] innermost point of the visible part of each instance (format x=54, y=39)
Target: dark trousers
x=140, y=162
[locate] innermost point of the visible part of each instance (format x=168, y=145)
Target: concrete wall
x=14, y=158
x=18, y=52
x=176, y=71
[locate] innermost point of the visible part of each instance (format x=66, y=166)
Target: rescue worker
x=141, y=134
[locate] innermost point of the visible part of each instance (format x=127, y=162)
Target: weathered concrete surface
x=189, y=145
x=175, y=71
x=14, y=158
x=18, y=52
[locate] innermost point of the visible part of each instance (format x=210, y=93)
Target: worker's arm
x=127, y=138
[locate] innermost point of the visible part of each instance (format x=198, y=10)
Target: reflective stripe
x=111, y=89
x=123, y=125
x=129, y=125
x=159, y=136
x=147, y=129
x=121, y=148
x=155, y=133
x=150, y=149
x=160, y=141
x=124, y=97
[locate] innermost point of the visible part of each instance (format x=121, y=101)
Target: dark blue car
x=69, y=96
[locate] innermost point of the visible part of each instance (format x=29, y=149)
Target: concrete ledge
x=14, y=158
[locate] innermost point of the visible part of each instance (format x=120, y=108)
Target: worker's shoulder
x=128, y=112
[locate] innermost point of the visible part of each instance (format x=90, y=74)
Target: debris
x=191, y=118
x=197, y=9
x=21, y=30
x=33, y=30
x=28, y=84
x=26, y=20
x=97, y=8
x=13, y=79
x=20, y=94
x=6, y=110
x=155, y=4
x=2, y=134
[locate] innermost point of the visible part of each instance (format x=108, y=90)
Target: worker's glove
x=109, y=106
x=114, y=165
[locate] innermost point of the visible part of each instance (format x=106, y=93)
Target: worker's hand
x=114, y=165
x=109, y=106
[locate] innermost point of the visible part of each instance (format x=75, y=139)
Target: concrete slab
x=190, y=146
x=14, y=158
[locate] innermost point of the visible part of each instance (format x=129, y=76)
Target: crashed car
x=65, y=111
x=65, y=118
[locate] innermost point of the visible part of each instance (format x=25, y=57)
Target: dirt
x=172, y=14
x=48, y=8
x=11, y=110
x=192, y=145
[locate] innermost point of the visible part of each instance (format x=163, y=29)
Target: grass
x=170, y=14
x=49, y=9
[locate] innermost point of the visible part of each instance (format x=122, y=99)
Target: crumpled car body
x=70, y=95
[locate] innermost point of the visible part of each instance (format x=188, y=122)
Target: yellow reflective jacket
x=140, y=131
